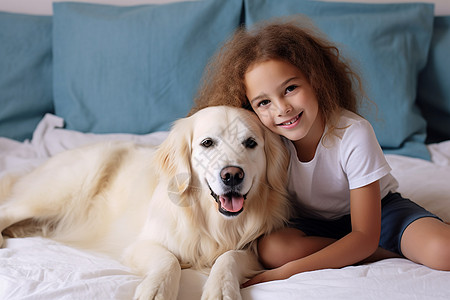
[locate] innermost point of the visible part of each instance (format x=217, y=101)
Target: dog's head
x=223, y=151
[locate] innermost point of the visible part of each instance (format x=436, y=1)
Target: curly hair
x=295, y=41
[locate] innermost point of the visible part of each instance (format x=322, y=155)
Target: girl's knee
x=439, y=253
x=428, y=242
x=280, y=247
x=270, y=249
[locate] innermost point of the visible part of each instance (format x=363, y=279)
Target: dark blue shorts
x=396, y=214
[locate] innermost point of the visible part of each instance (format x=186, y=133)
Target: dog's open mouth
x=230, y=204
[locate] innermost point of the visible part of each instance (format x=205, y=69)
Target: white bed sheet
x=38, y=268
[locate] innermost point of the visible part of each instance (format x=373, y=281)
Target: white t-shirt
x=348, y=159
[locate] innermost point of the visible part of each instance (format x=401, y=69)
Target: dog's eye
x=207, y=143
x=250, y=143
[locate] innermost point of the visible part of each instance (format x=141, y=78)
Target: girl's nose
x=284, y=108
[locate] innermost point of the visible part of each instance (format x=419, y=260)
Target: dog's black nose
x=232, y=176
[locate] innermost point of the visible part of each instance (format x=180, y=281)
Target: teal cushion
x=389, y=43
x=25, y=73
x=134, y=69
x=434, y=83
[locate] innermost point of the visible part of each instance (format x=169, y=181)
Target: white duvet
x=38, y=268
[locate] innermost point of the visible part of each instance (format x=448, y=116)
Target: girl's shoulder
x=349, y=123
x=347, y=117
x=352, y=134
x=357, y=137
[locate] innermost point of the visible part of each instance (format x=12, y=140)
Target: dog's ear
x=277, y=157
x=173, y=158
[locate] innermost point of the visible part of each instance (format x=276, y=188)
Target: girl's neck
x=307, y=146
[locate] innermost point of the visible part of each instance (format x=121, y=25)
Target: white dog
x=200, y=199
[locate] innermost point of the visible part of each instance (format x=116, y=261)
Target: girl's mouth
x=291, y=123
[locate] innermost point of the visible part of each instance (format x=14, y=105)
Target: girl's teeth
x=290, y=122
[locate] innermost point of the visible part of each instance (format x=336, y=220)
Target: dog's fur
x=157, y=209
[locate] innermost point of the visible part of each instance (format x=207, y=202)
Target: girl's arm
x=365, y=206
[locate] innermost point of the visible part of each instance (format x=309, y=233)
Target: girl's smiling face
x=284, y=100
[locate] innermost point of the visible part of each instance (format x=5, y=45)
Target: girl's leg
x=288, y=244
x=380, y=254
x=427, y=241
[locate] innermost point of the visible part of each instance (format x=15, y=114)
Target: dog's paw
x=147, y=290
x=223, y=286
x=162, y=286
x=160, y=268
x=221, y=293
x=229, y=270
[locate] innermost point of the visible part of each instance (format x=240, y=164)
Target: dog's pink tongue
x=233, y=203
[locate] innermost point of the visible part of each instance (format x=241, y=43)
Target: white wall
x=442, y=7
x=44, y=7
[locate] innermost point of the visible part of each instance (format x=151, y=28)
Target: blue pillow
x=25, y=73
x=434, y=83
x=389, y=43
x=134, y=69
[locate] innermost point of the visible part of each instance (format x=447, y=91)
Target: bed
x=78, y=73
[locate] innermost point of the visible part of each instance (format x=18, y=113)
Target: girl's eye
x=207, y=143
x=290, y=89
x=263, y=103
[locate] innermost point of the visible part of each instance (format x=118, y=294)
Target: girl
x=348, y=207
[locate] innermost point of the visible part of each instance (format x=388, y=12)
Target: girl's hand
x=274, y=274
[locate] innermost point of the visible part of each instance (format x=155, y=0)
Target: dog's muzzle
x=231, y=203
x=232, y=176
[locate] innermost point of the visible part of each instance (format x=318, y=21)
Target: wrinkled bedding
x=38, y=268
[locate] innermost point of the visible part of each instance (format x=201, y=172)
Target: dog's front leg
x=160, y=268
x=228, y=273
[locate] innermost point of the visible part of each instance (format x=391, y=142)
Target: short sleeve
x=362, y=158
